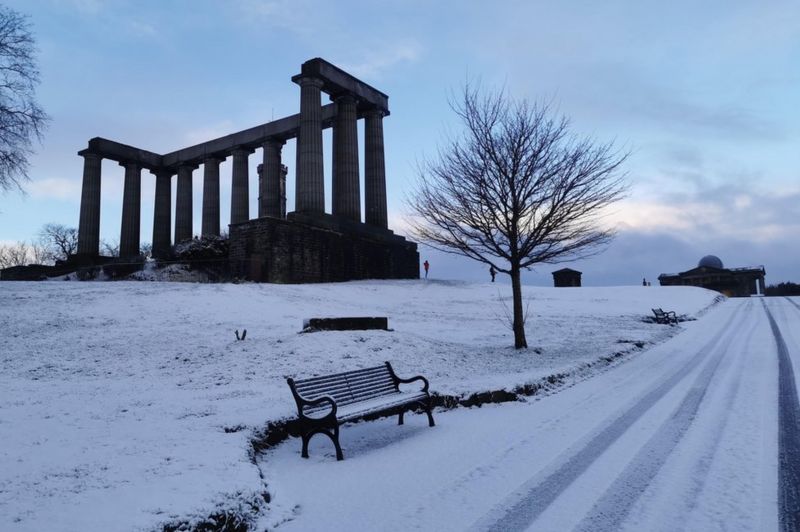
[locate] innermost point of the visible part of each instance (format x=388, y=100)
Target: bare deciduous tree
x=516, y=189
x=39, y=253
x=16, y=254
x=59, y=240
x=22, y=254
x=21, y=117
x=109, y=249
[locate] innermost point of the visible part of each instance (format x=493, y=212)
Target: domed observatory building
x=710, y=273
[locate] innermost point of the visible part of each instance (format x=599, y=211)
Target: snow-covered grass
x=130, y=405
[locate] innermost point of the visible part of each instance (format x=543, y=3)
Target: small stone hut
x=566, y=277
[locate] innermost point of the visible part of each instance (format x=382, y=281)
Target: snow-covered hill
x=129, y=405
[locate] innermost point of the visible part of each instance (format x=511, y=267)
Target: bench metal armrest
x=412, y=379
x=319, y=401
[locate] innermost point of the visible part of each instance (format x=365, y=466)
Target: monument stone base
x=316, y=249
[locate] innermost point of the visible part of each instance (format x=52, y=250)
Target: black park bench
x=327, y=401
x=665, y=317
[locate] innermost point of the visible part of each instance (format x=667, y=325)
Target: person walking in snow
x=426, y=266
x=492, y=272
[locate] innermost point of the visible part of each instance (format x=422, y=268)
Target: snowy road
x=699, y=433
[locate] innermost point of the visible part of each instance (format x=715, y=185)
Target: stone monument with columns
x=306, y=245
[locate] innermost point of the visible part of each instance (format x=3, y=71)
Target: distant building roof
x=710, y=261
x=566, y=270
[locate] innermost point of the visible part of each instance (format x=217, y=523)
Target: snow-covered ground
x=683, y=437
x=130, y=405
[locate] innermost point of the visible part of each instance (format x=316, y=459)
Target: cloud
x=376, y=62
x=765, y=27
x=300, y=17
x=89, y=7
x=724, y=211
x=204, y=134
x=364, y=54
x=141, y=29
x=631, y=94
x=55, y=188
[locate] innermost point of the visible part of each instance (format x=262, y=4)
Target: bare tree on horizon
x=59, y=240
x=517, y=188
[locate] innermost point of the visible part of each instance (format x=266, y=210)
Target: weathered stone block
x=346, y=324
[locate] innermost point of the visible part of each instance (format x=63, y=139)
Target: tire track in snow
x=609, y=512
x=532, y=498
x=788, y=434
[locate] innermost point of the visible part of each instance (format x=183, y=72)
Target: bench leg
x=335, y=438
x=400, y=417
x=430, y=415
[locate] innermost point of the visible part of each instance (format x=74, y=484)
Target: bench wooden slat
x=364, y=408
x=308, y=391
x=356, y=398
x=365, y=396
x=355, y=380
x=388, y=387
x=348, y=386
x=323, y=378
x=385, y=376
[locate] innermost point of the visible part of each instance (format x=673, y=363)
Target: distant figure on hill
x=426, y=266
x=644, y=281
x=492, y=272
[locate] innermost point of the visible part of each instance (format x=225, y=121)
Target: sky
x=705, y=96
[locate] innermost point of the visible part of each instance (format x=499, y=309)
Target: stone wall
x=320, y=248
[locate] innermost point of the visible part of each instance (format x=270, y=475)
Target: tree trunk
x=519, y=319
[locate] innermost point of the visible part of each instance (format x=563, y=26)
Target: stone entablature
x=353, y=100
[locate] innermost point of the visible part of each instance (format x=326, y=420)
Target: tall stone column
x=284, y=171
x=262, y=197
x=374, y=170
x=89, y=221
x=211, y=196
x=310, y=187
x=162, y=213
x=183, y=204
x=271, y=178
x=240, y=186
x=131, y=210
x=346, y=190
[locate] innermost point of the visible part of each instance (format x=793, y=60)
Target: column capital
x=191, y=166
x=127, y=164
x=375, y=112
x=344, y=97
x=88, y=154
x=169, y=172
x=214, y=159
x=241, y=150
x=308, y=80
x=274, y=142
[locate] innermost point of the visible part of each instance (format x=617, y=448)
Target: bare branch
x=22, y=120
